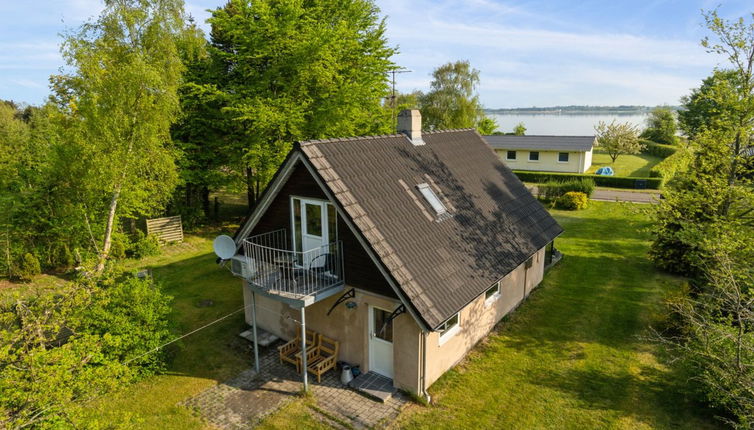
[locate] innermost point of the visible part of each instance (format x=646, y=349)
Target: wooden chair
x=291, y=351
x=322, y=357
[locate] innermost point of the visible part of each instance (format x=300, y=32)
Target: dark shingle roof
x=543, y=143
x=441, y=265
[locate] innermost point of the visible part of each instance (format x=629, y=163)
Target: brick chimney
x=410, y=124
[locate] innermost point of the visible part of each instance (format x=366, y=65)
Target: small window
x=511, y=155
x=432, y=199
x=534, y=156
x=493, y=293
x=562, y=157
x=449, y=328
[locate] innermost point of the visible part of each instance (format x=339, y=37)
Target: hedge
x=668, y=167
x=658, y=149
x=604, y=181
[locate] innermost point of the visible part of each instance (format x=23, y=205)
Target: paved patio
x=241, y=402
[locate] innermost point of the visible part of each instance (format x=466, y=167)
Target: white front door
x=380, y=342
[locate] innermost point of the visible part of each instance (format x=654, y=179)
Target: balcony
x=297, y=277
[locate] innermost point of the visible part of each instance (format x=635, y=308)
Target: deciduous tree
x=298, y=70
x=452, y=101
x=122, y=94
x=618, y=138
x=661, y=126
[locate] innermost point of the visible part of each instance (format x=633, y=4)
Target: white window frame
x=496, y=295
x=325, y=219
x=431, y=197
x=450, y=332
x=568, y=157
x=539, y=153
x=507, y=153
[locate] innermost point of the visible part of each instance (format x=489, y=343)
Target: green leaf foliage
x=452, y=101
x=661, y=126
x=572, y=200
x=61, y=349
x=285, y=71
x=618, y=138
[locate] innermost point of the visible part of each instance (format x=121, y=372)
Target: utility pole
x=393, y=97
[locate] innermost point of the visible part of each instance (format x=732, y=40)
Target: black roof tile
x=496, y=224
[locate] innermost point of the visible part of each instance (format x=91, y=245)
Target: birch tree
x=121, y=91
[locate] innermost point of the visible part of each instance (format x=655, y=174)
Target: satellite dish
x=224, y=246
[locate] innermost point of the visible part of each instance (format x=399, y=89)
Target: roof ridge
x=448, y=130
x=349, y=139
x=539, y=135
x=377, y=136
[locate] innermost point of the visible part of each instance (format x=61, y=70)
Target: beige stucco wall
x=479, y=317
x=578, y=162
x=349, y=327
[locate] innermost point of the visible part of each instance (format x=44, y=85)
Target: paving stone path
x=241, y=402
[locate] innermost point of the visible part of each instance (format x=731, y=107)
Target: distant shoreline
x=577, y=110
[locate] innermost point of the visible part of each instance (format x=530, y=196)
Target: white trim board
x=274, y=189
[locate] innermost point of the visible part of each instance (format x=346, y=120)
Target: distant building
x=571, y=154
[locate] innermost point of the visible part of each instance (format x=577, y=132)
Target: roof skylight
x=432, y=199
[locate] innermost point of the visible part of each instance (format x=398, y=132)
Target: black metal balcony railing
x=272, y=266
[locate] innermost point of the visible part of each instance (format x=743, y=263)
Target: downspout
x=423, y=370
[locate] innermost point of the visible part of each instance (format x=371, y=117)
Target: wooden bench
x=323, y=357
x=291, y=351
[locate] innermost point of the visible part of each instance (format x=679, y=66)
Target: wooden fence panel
x=169, y=229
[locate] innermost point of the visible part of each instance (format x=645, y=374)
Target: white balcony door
x=380, y=342
x=312, y=230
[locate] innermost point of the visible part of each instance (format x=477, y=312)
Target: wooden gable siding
x=360, y=271
x=278, y=215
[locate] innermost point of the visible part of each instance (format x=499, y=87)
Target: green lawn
x=573, y=355
x=189, y=273
x=626, y=165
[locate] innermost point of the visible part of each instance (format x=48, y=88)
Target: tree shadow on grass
x=202, y=293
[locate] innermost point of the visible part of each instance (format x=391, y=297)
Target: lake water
x=563, y=124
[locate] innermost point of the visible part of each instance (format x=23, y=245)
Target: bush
x=120, y=244
x=554, y=189
x=658, y=149
x=605, y=181
x=28, y=267
x=572, y=200
x=667, y=168
x=144, y=246
x=81, y=340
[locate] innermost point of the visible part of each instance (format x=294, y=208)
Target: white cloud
x=526, y=55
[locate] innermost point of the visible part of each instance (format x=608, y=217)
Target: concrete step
x=374, y=386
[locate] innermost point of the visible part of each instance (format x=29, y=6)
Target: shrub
x=28, y=267
x=144, y=246
x=83, y=339
x=572, y=200
x=667, y=168
x=658, y=149
x=605, y=181
x=554, y=189
x=119, y=246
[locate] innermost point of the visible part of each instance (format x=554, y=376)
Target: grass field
x=189, y=273
x=626, y=165
x=572, y=356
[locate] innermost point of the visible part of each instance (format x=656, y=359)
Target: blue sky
x=530, y=53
